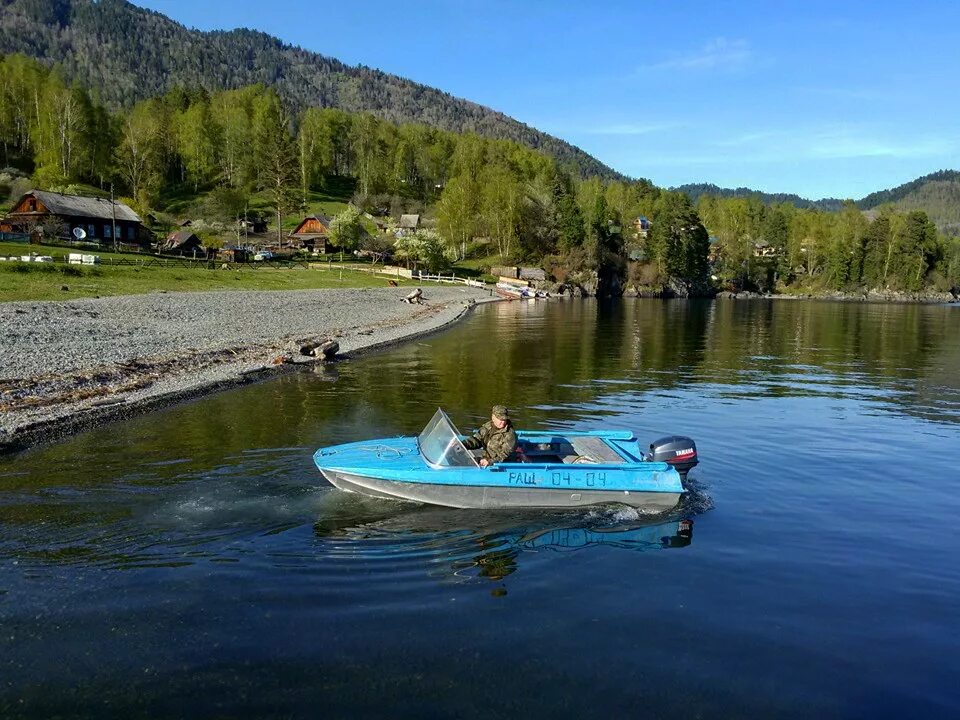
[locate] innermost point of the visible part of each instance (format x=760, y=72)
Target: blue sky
x=817, y=98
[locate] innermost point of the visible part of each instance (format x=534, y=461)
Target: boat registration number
x=560, y=479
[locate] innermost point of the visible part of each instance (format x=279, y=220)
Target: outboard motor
x=676, y=450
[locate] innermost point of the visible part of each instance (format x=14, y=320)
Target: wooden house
x=97, y=217
x=253, y=224
x=182, y=242
x=762, y=249
x=641, y=226
x=519, y=273
x=408, y=225
x=409, y=222
x=313, y=233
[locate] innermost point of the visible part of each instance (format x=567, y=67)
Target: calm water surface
x=191, y=563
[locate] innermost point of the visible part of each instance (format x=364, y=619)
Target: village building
x=313, y=233
x=408, y=224
x=763, y=249
x=519, y=273
x=182, y=242
x=713, y=250
x=641, y=226
x=48, y=214
x=253, y=224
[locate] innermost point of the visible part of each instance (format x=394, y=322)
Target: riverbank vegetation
x=220, y=154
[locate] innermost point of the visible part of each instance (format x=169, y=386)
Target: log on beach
x=415, y=297
x=322, y=348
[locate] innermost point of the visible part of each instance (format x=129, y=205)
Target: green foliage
x=698, y=191
x=458, y=211
x=679, y=241
x=904, y=191
x=35, y=268
x=241, y=147
x=568, y=220
x=758, y=246
x=128, y=54
x=275, y=156
x=346, y=230
x=424, y=247
x=227, y=203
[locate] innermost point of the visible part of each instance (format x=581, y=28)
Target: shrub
x=28, y=268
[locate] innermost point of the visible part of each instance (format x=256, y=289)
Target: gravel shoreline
x=71, y=365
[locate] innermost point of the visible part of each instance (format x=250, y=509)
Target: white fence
x=29, y=258
x=81, y=259
x=451, y=278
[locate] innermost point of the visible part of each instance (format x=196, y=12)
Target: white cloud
x=629, y=128
x=719, y=53
x=850, y=143
x=864, y=140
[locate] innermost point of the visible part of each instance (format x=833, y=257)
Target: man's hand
x=484, y=462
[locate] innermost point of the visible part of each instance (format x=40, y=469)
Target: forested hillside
x=124, y=53
x=482, y=196
x=937, y=194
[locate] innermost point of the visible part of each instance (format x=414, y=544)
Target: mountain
x=937, y=194
x=695, y=190
x=126, y=53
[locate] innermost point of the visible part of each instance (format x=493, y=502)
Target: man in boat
x=497, y=437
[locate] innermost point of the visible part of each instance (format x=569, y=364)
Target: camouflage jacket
x=497, y=445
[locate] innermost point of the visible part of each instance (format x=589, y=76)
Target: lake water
x=191, y=563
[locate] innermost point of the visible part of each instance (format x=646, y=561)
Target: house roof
x=410, y=221
x=79, y=206
x=181, y=237
x=322, y=219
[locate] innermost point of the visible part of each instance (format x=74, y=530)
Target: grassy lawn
x=17, y=249
x=29, y=281
x=476, y=267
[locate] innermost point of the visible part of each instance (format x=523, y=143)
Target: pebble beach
x=69, y=365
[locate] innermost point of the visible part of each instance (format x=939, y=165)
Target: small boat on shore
x=550, y=469
x=519, y=290
x=515, y=292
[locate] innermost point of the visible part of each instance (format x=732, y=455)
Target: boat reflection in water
x=489, y=545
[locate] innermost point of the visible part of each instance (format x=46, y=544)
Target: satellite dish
x=79, y=233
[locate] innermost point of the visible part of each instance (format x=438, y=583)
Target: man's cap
x=501, y=412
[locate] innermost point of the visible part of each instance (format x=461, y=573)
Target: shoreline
x=45, y=397
x=872, y=298
x=875, y=298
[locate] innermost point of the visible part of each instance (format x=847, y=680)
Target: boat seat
x=593, y=449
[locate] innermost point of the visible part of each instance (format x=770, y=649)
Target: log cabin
x=183, y=242
x=313, y=233
x=41, y=213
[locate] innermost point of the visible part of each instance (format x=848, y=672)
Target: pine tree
x=275, y=156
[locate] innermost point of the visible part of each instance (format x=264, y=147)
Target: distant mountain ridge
x=908, y=190
x=127, y=53
x=937, y=194
x=696, y=190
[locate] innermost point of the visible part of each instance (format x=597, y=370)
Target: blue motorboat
x=563, y=469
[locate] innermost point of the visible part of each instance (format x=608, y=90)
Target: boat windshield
x=440, y=443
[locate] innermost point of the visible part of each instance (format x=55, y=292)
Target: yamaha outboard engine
x=676, y=450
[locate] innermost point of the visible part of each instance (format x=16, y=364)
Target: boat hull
x=491, y=497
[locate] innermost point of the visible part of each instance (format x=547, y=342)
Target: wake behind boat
x=549, y=469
